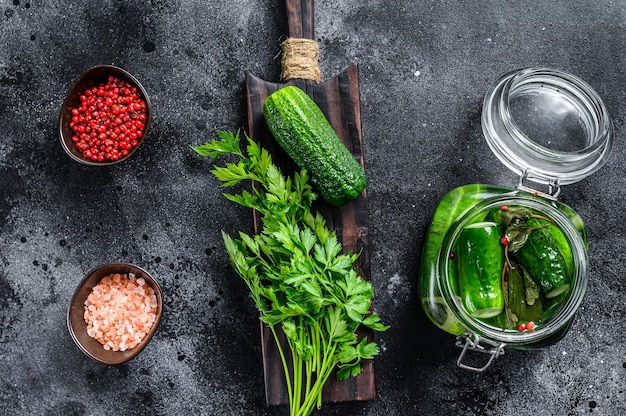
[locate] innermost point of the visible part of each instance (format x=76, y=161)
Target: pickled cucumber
x=480, y=262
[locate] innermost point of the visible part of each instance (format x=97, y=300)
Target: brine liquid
x=534, y=302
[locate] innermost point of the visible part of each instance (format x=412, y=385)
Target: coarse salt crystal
x=124, y=314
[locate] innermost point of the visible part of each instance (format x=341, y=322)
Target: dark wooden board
x=339, y=100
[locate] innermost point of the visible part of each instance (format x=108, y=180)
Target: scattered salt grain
x=120, y=311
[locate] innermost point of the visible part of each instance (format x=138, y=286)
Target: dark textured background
x=424, y=68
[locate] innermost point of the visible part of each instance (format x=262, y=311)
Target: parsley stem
x=314, y=397
x=310, y=364
x=284, y=361
x=297, y=368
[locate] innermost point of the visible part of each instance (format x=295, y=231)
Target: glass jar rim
x=580, y=278
x=525, y=156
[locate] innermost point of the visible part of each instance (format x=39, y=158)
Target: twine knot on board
x=300, y=60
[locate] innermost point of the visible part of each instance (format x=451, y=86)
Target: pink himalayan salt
x=120, y=311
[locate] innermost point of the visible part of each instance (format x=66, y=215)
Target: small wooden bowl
x=91, y=78
x=78, y=327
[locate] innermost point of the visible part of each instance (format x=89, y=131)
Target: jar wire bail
x=472, y=342
x=554, y=187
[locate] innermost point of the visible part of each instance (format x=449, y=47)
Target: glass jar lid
x=546, y=125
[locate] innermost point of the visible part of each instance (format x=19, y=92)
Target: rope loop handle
x=300, y=60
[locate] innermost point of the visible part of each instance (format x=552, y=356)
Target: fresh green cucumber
x=304, y=133
x=544, y=262
x=480, y=262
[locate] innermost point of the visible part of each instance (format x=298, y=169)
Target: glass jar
x=552, y=129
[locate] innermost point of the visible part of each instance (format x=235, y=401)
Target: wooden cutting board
x=339, y=100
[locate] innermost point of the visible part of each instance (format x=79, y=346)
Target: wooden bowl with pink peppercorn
x=114, y=312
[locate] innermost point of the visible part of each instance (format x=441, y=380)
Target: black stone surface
x=424, y=68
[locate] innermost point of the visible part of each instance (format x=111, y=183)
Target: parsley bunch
x=296, y=272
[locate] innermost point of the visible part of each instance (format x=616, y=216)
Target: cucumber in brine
x=541, y=257
x=480, y=263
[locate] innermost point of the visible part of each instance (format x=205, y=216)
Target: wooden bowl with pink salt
x=115, y=312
